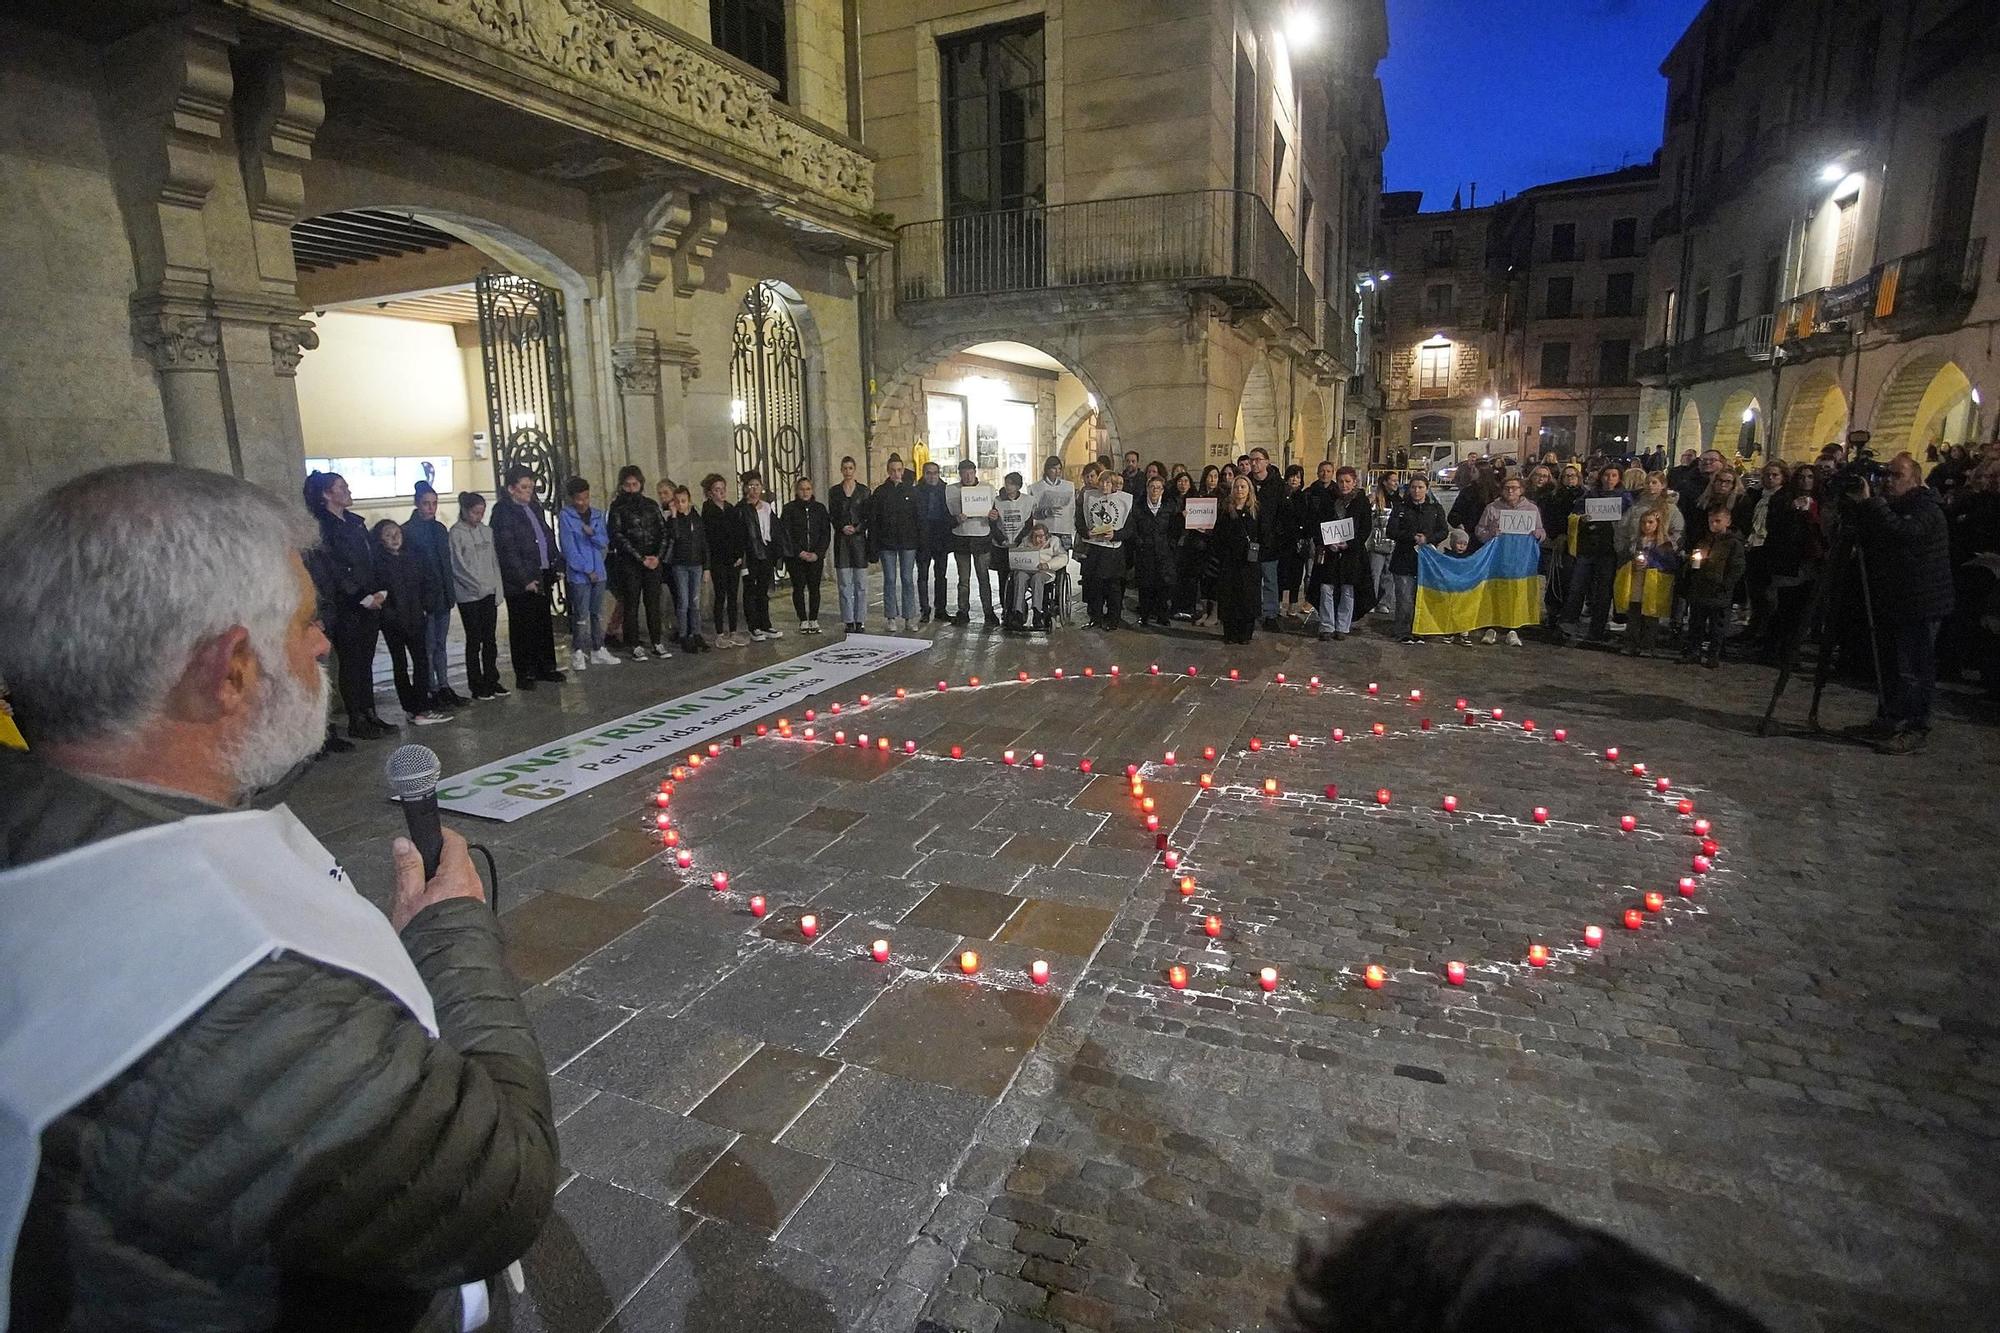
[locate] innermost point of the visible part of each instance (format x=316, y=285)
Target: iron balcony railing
x=1930, y=283
x=1220, y=237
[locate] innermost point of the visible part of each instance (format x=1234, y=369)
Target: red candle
x=1193, y=670
x=1709, y=847
x=1634, y=918
x=1454, y=972
x=835, y=709
x=1450, y=804
x=809, y=733
x=1059, y=673
x=1038, y=759
x=1528, y=724
x=1593, y=936
x=1090, y=671
x=1339, y=734
x=1655, y=901
x=973, y=681
x=1006, y=756
x=1154, y=668
x=1256, y=744
x=763, y=730
x=1628, y=822
x=1561, y=734
x=1381, y=796
x=811, y=716
x=1611, y=755
x=1268, y=978
x=1333, y=791
x=757, y=904
x=958, y=752
x=1538, y=955
x=679, y=772
x=1159, y=842
x=1038, y=971
x=861, y=741
x=1114, y=670
x=714, y=750
x=1021, y=676
x=1187, y=886
x=1661, y=784
x=1213, y=926
x=808, y=925
x=1281, y=678
x=840, y=738
x=1638, y=770
x=1702, y=865
x=1541, y=814
x=1313, y=684
x=1170, y=760
x=1148, y=805
x=1373, y=688
x=1465, y=719
x=1424, y=725
x=1701, y=828
x=1131, y=770
x=671, y=838
x=881, y=742
x=721, y=881
x=1139, y=791
x=1152, y=823
x=1270, y=786
x=943, y=686
x=1374, y=976
x=1083, y=765
x=1684, y=806
x=879, y=951
x=1293, y=740
x=1234, y=674
x=902, y=693
x=909, y=747
x=1378, y=729
x=968, y=962
x=1208, y=752
x=1499, y=715
x=1173, y=860
x=662, y=820
x=1459, y=704
x=865, y=701
x=683, y=858
x=1686, y=886
x=1177, y=977
x=1416, y=696
x=1208, y=780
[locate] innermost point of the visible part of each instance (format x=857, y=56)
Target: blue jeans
x=586, y=616
x=1909, y=672
x=853, y=581
x=899, y=584
x=687, y=601
x=1336, y=607
x=437, y=628
x=1406, y=603
x=1271, y=589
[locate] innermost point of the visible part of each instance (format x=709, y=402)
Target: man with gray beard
x=238, y=1097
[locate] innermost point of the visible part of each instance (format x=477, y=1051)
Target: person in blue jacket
x=585, y=540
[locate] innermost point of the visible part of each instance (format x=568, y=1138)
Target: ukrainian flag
x=1498, y=586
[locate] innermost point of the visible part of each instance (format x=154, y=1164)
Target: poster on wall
x=988, y=441
x=945, y=415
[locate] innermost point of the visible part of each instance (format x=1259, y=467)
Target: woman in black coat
x=1342, y=582
x=1293, y=543
x=1234, y=554
x=1156, y=529
x=808, y=537
x=343, y=570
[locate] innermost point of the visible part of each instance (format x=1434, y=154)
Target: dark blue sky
x=1512, y=93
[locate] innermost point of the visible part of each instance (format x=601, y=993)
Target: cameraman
x=244, y=1099
x=1907, y=544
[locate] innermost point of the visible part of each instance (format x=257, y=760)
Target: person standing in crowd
x=1198, y=570
x=971, y=543
x=1645, y=583
x=1236, y=553
x=808, y=535
x=1753, y=520
x=686, y=554
x=1794, y=547
x=1907, y=544
x=638, y=549
x=847, y=506
x=1186, y=600
x=1012, y=514
x=1654, y=494
x=1156, y=525
x=934, y=543
x=1692, y=485
x=528, y=569
x=1341, y=582
x=1417, y=521
x=404, y=576
x=1270, y=495
x=343, y=573
x=763, y=539
x=724, y=533
x=475, y=585
x=1715, y=566
x=1598, y=510
x=585, y=541
x=894, y=528
x=1055, y=504
x=1381, y=546
x=1513, y=498
x=1133, y=479
x=1972, y=514
x=430, y=545
x=1106, y=528
x=1293, y=544
x=1477, y=488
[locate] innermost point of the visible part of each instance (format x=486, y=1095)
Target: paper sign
x=1603, y=509
x=1200, y=514
x=975, y=501
x=1046, y=561
x=1336, y=531
x=1520, y=521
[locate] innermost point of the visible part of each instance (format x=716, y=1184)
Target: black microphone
x=413, y=778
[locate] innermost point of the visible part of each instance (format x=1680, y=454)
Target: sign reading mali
x=536, y=779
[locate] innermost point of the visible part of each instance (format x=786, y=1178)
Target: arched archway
x=1431, y=429
x=1077, y=437
x=1926, y=400
x=1259, y=424
x=900, y=415
x=1739, y=425
x=1689, y=435
x=1816, y=416
x=1314, y=442
x=777, y=388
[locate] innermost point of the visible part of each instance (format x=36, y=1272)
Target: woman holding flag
x=1492, y=523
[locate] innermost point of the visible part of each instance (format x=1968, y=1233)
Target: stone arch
x=1689, y=436
x=1314, y=441
x=1731, y=425
x=1076, y=437
x=1925, y=399
x=1258, y=420
x=1815, y=416
x=812, y=353
x=898, y=410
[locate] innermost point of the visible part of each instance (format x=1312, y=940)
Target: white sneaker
x=1467, y=638
x=1513, y=639
x=638, y=653
x=603, y=657
x=660, y=651
x=774, y=634
x=578, y=661
x=894, y=626
x=1489, y=638
x=758, y=635
x=731, y=641
x=429, y=719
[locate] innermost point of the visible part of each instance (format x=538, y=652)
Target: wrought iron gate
x=527, y=382
x=767, y=392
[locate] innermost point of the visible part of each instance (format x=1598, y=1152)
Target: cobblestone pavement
x=1786, y=1083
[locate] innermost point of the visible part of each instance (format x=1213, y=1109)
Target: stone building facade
x=187, y=186
x=1170, y=202
x=1824, y=257
x=1439, y=319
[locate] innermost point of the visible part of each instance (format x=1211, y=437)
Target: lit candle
x=865, y=701
x=1561, y=734
x=1640, y=561
x=721, y=881
x=1373, y=688
x=1459, y=704
x=683, y=858
x=1499, y=715
x=1685, y=806
x=1702, y=865
x=1170, y=759
x=1381, y=796
x=1007, y=756
x=672, y=837
x=1114, y=670
x=1378, y=729
x=1177, y=977
x=1634, y=918
x=1628, y=822
x=1083, y=765
x=1527, y=724
x=1696, y=558
x=1193, y=670
x=1038, y=759
x=1450, y=804
x=1208, y=780
x=1152, y=823
x=763, y=730
x=662, y=820
x=1541, y=814
x=1593, y=936
x=973, y=681
x=958, y=752
x=1213, y=926
x=1375, y=976
x=1293, y=740
x=1281, y=678
x=1339, y=734
x=1256, y=744
x=1701, y=828
x=1268, y=978
x=811, y=716
x=1638, y=770
x=840, y=738
x=808, y=925
x=1416, y=696
x=1154, y=668
x=1538, y=955
x=881, y=742
x=1148, y=805
x=1234, y=674
x=909, y=747
x=1138, y=789
x=968, y=962
x=1333, y=791
x=902, y=693
x=1709, y=847
x=1173, y=860
x=861, y=740
x=1131, y=770
x=757, y=904
x=1454, y=972
x=1661, y=784
x=1655, y=900
x=1090, y=671
x=1038, y=972
x=1021, y=676
x=1187, y=886
x=943, y=686
x=1611, y=755
x=834, y=709
x=714, y=750
x=1313, y=684
x=1208, y=752
x=1686, y=886
x=879, y=951
x=1059, y=673
x=1270, y=786
x=810, y=732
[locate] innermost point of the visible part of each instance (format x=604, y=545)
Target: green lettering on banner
x=494, y=779
x=625, y=733
x=528, y=793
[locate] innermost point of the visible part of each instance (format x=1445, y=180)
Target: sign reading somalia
x=535, y=779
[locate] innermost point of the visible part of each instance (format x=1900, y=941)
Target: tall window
x=1614, y=361
x=1618, y=293
x=1278, y=147
x=1434, y=371
x=1561, y=298
x=1441, y=251
x=1732, y=298
x=1768, y=298
x=1956, y=184
x=1437, y=302
x=753, y=31
x=993, y=120
x=1555, y=365
x=1562, y=242
x=1624, y=238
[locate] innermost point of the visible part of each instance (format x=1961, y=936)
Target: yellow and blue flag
x=1498, y=586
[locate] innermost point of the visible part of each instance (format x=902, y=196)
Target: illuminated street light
x=1302, y=28
x=1831, y=173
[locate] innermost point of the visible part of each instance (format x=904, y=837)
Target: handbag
x=1255, y=552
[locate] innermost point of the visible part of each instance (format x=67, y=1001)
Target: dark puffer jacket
x=299, y=1155
x=638, y=527
x=1908, y=545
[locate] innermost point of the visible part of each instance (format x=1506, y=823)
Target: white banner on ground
x=536, y=779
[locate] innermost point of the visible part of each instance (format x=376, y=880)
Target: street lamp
x=1831, y=173
x=1302, y=28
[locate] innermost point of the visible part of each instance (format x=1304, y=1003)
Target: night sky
x=1513, y=93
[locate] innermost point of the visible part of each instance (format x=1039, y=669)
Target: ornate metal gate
x=767, y=392
x=527, y=382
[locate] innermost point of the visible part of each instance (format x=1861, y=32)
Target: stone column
x=186, y=349
x=635, y=366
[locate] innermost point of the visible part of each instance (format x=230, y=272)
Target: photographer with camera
x=1906, y=543
x=238, y=1096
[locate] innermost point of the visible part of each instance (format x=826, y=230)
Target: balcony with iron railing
x=1224, y=240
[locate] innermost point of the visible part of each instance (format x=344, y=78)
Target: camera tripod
x=1846, y=569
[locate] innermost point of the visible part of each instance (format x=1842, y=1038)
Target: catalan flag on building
x=1498, y=586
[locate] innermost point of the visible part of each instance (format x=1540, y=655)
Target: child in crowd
x=585, y=540
x=403, y=624
x=475, y=580
x=1715, y=567
x=1645, y=587
x=687, y=557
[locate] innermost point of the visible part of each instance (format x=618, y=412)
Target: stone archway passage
x=1817, y=417
x=1732, y=431
x=1925, y=401
x=1258, y=423
x=898, y=418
